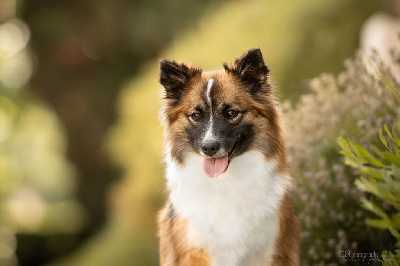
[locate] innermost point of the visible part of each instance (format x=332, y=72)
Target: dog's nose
x=210, y=147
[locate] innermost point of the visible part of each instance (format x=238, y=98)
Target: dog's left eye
x=231, y=114
x=196, y=116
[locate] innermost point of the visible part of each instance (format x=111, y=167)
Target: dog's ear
x=251, y=70
x=174, y=77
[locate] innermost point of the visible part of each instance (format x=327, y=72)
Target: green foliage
x=34, y=170
x=380, y=178
x=37, y=182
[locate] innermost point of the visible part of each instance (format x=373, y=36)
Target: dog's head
x=220, y=114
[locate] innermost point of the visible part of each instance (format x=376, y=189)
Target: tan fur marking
x=174, y=249
x=288, y=244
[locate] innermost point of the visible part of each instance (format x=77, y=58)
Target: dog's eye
x=196, y=116
x=231, y=114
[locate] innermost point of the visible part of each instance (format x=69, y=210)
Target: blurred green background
x=81, y=174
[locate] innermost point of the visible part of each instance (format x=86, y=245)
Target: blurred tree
x=85, y=51
x=37, y=183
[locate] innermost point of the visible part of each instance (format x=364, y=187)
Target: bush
x=380, y=179
x=355, y=105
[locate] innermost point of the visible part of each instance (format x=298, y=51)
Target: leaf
x=383, y=139
x=384, y=190
x=391, y=158
x=375, y=172
x=377, y=151
x=396, y=220
x=398, y=125
x=344, y=146
x=373, y=207
x=362, y=184
x=378, y=189
x=368, y=157
x=396, y=205
x=356, y=155
x=378, y=223
x=390, y=85
x=387, y=130
x=396, y=171
x=350, y=157
x=396, y=139
x=394, y=231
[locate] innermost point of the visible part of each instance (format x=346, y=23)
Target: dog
x=226, y=168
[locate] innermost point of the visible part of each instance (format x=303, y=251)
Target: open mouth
x=214, y=167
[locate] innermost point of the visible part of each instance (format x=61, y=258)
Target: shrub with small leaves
x=355, y=105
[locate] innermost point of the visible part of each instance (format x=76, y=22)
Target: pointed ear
x=251, y=70
x=174, y=77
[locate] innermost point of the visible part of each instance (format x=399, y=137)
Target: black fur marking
x=171, y=218
x=239, y=136
x=236, y=138
x=171, y=214
x=197, y=131
x=174, y=77
x=251, y=70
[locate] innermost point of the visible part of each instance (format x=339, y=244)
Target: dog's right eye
x=196, y=116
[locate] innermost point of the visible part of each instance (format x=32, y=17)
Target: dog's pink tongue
x=214, y=167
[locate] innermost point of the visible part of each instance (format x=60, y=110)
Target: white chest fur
x=235, y=216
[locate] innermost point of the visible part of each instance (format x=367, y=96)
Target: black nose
x=210, y=147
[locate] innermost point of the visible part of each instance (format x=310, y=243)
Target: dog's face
x=220, y=114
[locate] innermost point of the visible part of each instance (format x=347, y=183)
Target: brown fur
x=288, y=243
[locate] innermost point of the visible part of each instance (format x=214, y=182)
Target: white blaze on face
x=213, y=167
x=209, y=86
x=209, y=133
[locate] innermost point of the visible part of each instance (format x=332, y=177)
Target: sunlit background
x=81, y=174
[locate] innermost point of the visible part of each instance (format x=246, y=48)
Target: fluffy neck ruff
x=234, y=217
